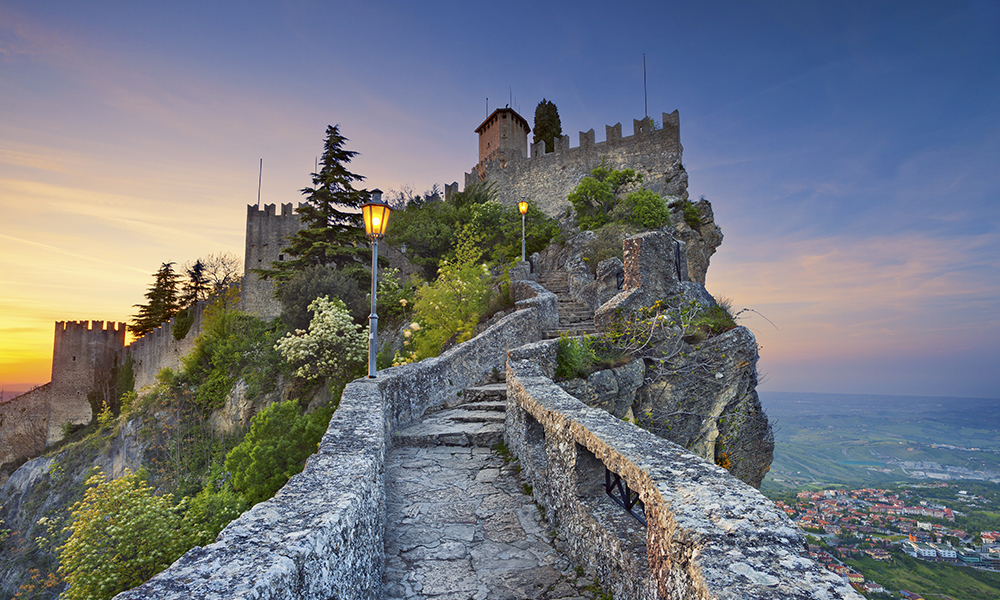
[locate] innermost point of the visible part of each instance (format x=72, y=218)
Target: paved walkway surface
x=459, y=527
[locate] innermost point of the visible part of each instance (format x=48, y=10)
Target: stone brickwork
x=707, y=534
x=24, y=425
x=81, y=351
x=267, y=235
x=547, y=179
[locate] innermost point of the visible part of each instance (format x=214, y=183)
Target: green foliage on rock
x=547, y=124
x=232, y=345
x=692, y=216
x=279, y=441
x=122, y=534
x=574, y=357
x=597, y=195
x=643, y=209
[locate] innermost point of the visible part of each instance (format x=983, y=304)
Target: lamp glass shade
x=376, y=217
x=523, y=207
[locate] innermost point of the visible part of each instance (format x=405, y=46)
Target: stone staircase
x=574, y=318
x=477, y=422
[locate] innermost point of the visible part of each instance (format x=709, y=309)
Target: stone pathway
x=459, y=527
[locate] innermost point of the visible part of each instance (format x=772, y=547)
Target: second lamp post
x=523, y=207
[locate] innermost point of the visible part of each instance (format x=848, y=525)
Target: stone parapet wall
x=159, y=350
x=708, y=534
x=322, y=536
x=24, y=425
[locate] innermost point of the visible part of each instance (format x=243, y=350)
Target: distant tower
x=82, y=352
x=267, y=236
x=503, y=136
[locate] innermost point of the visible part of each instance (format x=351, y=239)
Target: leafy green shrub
x=121, y=536
x=643, y=209
x=279, y=441
x=297, y=294
x=213, y=508
x=574, y=358
x=449, y=309
x=334, y=346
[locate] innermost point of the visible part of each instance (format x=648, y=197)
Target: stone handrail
x=322, y=535
x=708, y=535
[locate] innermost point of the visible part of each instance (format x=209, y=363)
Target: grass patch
x=904, y=572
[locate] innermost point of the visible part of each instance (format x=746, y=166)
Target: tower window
x=281, y=257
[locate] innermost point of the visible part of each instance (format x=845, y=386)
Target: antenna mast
x=645, y=104
x=260, y=175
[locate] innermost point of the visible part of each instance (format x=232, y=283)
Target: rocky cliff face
x=691, y=386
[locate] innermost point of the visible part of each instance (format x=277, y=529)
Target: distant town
x=873, y=523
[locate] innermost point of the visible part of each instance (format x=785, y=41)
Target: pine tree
x=547, y=125
x=330, y=234
x=163, y=302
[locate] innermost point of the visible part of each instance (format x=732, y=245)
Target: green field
x=931, y=580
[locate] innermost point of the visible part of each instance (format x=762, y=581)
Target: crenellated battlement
x=548, y=178
x=107, y=327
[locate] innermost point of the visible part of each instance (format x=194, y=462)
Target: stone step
x=479, y=393
x=454, y=433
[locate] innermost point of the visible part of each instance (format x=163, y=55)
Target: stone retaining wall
x=322, y=535
x=709, y=535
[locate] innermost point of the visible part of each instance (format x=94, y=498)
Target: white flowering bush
x=334, y=346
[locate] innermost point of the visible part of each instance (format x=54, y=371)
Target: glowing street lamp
x=376, y=215
x=523, y=207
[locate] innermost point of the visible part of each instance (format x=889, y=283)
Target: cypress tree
x=547, y=125
x=163, y=302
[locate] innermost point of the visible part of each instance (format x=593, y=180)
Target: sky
x=850, y=151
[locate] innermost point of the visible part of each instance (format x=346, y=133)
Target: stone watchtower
x=267, y=236
x=82, y=351
x=503, y=137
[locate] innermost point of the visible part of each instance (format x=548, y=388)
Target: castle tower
x=83, y=351
x=503, y=135
x=267, y=236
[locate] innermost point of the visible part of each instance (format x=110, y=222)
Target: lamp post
x=523, y=207
x=376, y=215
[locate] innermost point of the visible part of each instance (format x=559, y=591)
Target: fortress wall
x=322, y=536
x=81, y=351
x=24, y=425
x=158, y=349
x=267, y=235
x=707, y=534
x=548, y=179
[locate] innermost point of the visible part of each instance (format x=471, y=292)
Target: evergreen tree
x=547, y=125
x=331, y=234
x=163, y=302
x=197, y=287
